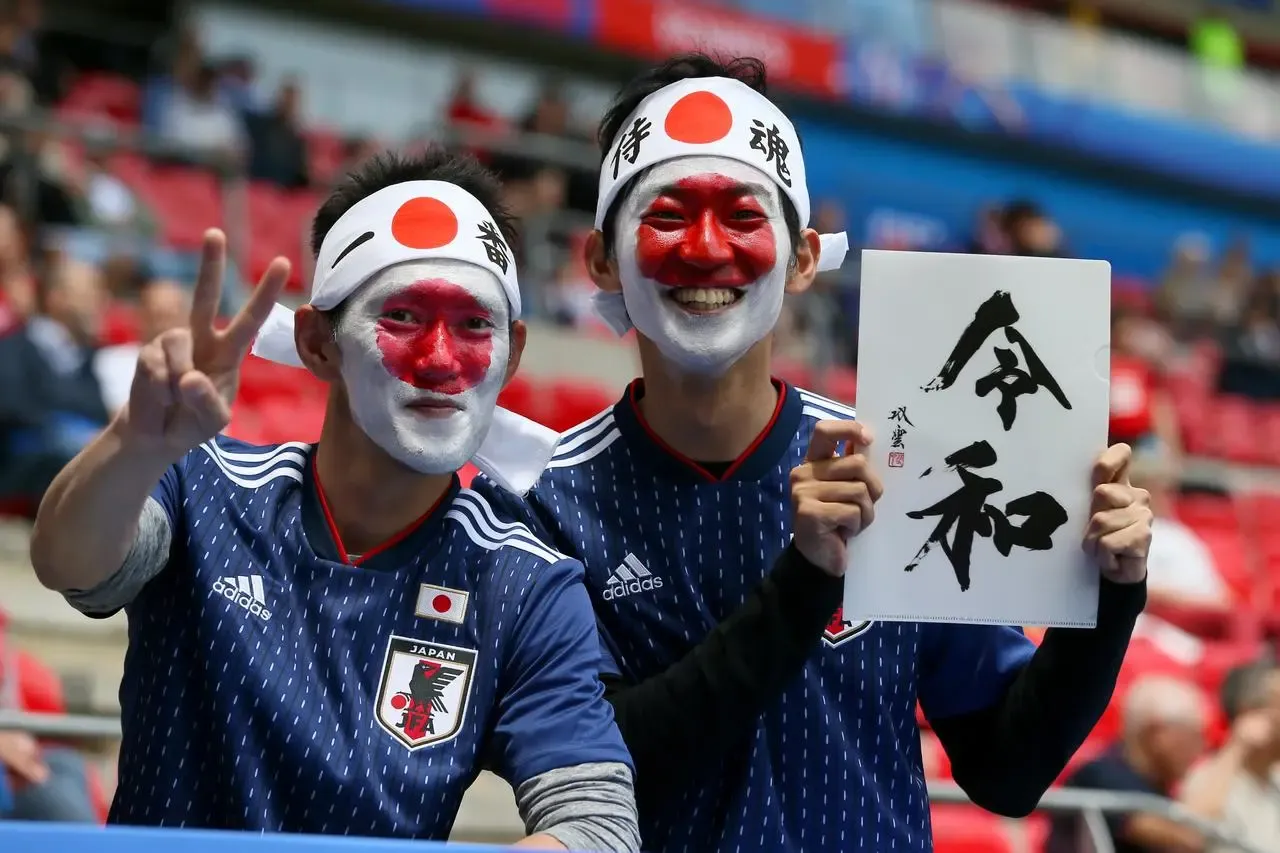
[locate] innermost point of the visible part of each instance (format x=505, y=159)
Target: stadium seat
x=120, y=324
x=966, y=829
x=1235, y=430
x=39, y=688
x=1208, y=512
x=1231, y=558
x=574, y=401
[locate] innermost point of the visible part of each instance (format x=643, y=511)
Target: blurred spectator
x=1187, y=297
x=197, y=118
x=1239, y=786
x=1031, y=232
x=46, y=783
x=1142, y=414
x=236, y=82
x=50, y=401
x=1180, y=568
x=1252, y=348
x=989, y=235
x=17, y=285
x=1162, y=736
x=278, y=148
x=109, y=202
x=162, y=305
x=465, y=108
x=535, y=187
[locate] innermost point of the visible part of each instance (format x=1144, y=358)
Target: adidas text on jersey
x=630, y=578
x=246, y=592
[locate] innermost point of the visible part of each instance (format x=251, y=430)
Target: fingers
x=245, y=325
x=827, y=436
x=1116, y=533
x=208, y=291
x=197, y=393
x=176, y=345
x=848, y=468
x=1114, y=496
x=850, y=516
x=1113, y=465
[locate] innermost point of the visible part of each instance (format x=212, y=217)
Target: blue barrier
x=16, y=837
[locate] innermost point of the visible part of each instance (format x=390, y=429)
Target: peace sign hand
x=186, y=378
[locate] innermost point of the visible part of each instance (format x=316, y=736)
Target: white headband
x=415, y=221
x=708, y=116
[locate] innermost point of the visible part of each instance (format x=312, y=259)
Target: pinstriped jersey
x=274, y=684
x=671, y=548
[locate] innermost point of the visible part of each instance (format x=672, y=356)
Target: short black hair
x=685, y=66
x=431, y=164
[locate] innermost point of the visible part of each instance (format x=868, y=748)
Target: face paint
x=424, y=351
x=702, y=252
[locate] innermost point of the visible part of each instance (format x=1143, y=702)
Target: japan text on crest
x=839, y=631
x=422, y=698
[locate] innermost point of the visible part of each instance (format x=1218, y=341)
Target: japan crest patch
x=838, y=630
x=425, y=687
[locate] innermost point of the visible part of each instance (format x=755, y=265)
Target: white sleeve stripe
x=577, y=429
x=583, y=437
x=472, y=527
x=590, y=453
x=284, y=468
x=475, y=498
x=824, y=415
x=503, y=537
x=823, y=402
x=259, y=455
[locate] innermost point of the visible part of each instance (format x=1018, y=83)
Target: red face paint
x=436, y=336
x=706, y=231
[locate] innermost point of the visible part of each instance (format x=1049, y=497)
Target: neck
x=371, y=497
x=1142, y=764
x=708, y=419
x=1259, y=764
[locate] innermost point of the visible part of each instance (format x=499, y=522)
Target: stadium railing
x=1091, y=807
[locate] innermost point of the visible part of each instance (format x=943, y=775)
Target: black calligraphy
x=1008, y=378
x=629, y=143
x=495, y=248
x=769, y=142
x=966, y=514
x=899, y=417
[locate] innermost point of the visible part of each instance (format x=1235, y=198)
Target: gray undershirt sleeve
x=587, y=807
x=147, y=557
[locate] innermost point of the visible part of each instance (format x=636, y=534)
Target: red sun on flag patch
x=839, y=631
x=442, y=603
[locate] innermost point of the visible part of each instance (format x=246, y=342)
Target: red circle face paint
x=436, y=336
x=706, y=231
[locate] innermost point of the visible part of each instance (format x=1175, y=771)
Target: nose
x=705, y=246
x=437, y=360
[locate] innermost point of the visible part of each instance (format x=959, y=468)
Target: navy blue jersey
x=272, y=684
x=671, y=550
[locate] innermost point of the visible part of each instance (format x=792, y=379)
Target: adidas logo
x=245, y=591
x=629, y=578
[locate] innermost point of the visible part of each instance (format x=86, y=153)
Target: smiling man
x=335, y=638
x=712, y=506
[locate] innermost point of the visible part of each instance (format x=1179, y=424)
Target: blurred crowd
x=86, y=274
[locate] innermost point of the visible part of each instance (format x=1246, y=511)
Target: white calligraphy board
x=934, y=332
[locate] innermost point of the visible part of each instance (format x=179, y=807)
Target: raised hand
x=1119, y=533
x=833, y=497
x=186, y=378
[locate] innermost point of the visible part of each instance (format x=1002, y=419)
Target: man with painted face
x=335, y=638
x=784, y=727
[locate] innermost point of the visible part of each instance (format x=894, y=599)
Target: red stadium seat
x=39, y=688
x=120, y=324
x=574, y=401
x=1231, y=559
x=966, y=829
x=1235, y=430
x=523, y=397
x=1208, y=512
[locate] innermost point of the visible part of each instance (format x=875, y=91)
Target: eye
x=478, y=324
x=399, y=315
x=746, y=215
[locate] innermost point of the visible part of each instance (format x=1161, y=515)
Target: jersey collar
x=761, y=457
x=394, y=554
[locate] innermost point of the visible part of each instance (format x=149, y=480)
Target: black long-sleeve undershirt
x=1004, y=757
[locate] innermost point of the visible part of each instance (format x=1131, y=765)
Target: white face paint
x=703, y=253
x=424, y=349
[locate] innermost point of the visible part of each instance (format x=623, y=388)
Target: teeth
x=709, y=296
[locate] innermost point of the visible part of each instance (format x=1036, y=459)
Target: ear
x=808, y=249
x=519, y=335
x=602, y=269
x=313, y=335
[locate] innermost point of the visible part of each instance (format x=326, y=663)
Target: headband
x=416, y=221
x=716, y=117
